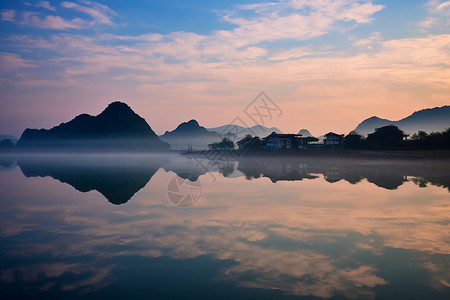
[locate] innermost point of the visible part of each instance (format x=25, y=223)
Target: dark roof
x=286, y=135
x=334, y=134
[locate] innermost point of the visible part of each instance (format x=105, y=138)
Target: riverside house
x=333, y=139
x=281, y=141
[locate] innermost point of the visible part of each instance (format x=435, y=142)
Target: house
x=333, y=139
x=280, y=141
x=307, y=142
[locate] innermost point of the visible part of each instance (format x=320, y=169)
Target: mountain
x=305, y=132
x=369, y=125
x=189, y=129
x=12, y=138
x=118, y=127
x=429, y=120
x=189, y=133
x=238, y=132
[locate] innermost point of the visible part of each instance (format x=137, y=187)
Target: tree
x=224, y=144
x=249, y=144
x=385, y=138
x=354, y=141
x=433, y=141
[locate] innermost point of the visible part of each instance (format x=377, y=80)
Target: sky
x=325, y=65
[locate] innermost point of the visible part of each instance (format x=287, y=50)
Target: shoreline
x=328, y=154
x=442, y=155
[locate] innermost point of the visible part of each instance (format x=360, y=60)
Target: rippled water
x=170, y=227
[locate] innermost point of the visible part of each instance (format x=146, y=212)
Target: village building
x=333, y=139
x=281, y=141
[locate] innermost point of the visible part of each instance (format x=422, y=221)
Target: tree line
x=384, y=138
x=392, y=138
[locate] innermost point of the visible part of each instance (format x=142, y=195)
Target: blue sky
x=328, y=64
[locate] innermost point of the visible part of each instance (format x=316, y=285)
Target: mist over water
x=168, y=226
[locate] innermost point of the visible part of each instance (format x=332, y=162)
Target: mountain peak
x=373, y=118
x=117, y=127
x=117, y=108
x=193, y=123
x=117, y=105
x=190, y=127
x=430, y=119
x=305, y=132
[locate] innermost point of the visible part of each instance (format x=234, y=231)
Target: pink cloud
x=8, y=15
x=46, y=5
x=410, y=70
x=443, y=8
x=227, y=68
x=13, y=62
x=29, y=18
x=52, y=22
x=98, y=12
x=287, y=20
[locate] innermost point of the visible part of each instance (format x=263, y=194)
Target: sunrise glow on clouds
x=328, y=64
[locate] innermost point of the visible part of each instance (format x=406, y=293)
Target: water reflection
x=116, y=177
x=298, y=237
x=386, y=174
x=119, y=177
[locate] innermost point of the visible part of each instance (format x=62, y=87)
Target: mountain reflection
x=116, y=177
x=119, y=177
x=386, y=174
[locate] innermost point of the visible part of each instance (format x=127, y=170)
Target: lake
x=168, y=227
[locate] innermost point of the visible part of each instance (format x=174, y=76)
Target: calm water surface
x=170, y=227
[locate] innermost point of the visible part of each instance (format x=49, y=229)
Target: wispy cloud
x=8, y=15
x=438, y=13
x=368, y=43
x=100, y=13
x=46, y=5
x=50, y=22
x=298, y=20
x=13, y=62
x=428, y=22
x=236, y=62
x=439, y=7
x=294, y=53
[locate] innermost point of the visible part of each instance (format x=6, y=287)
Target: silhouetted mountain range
x=118, y=127
x=428, y=120
x=238, y=132
x=189, y=133
x=189, y=129
x=12, y=138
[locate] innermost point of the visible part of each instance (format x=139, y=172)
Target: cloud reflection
x=305, y=238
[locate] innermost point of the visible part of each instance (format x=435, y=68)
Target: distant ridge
x=240, y=131
x=189, y=129
x=12, y=138
x=118, y=127
x=305, y=132
x=428, y=120
x=189, y=134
